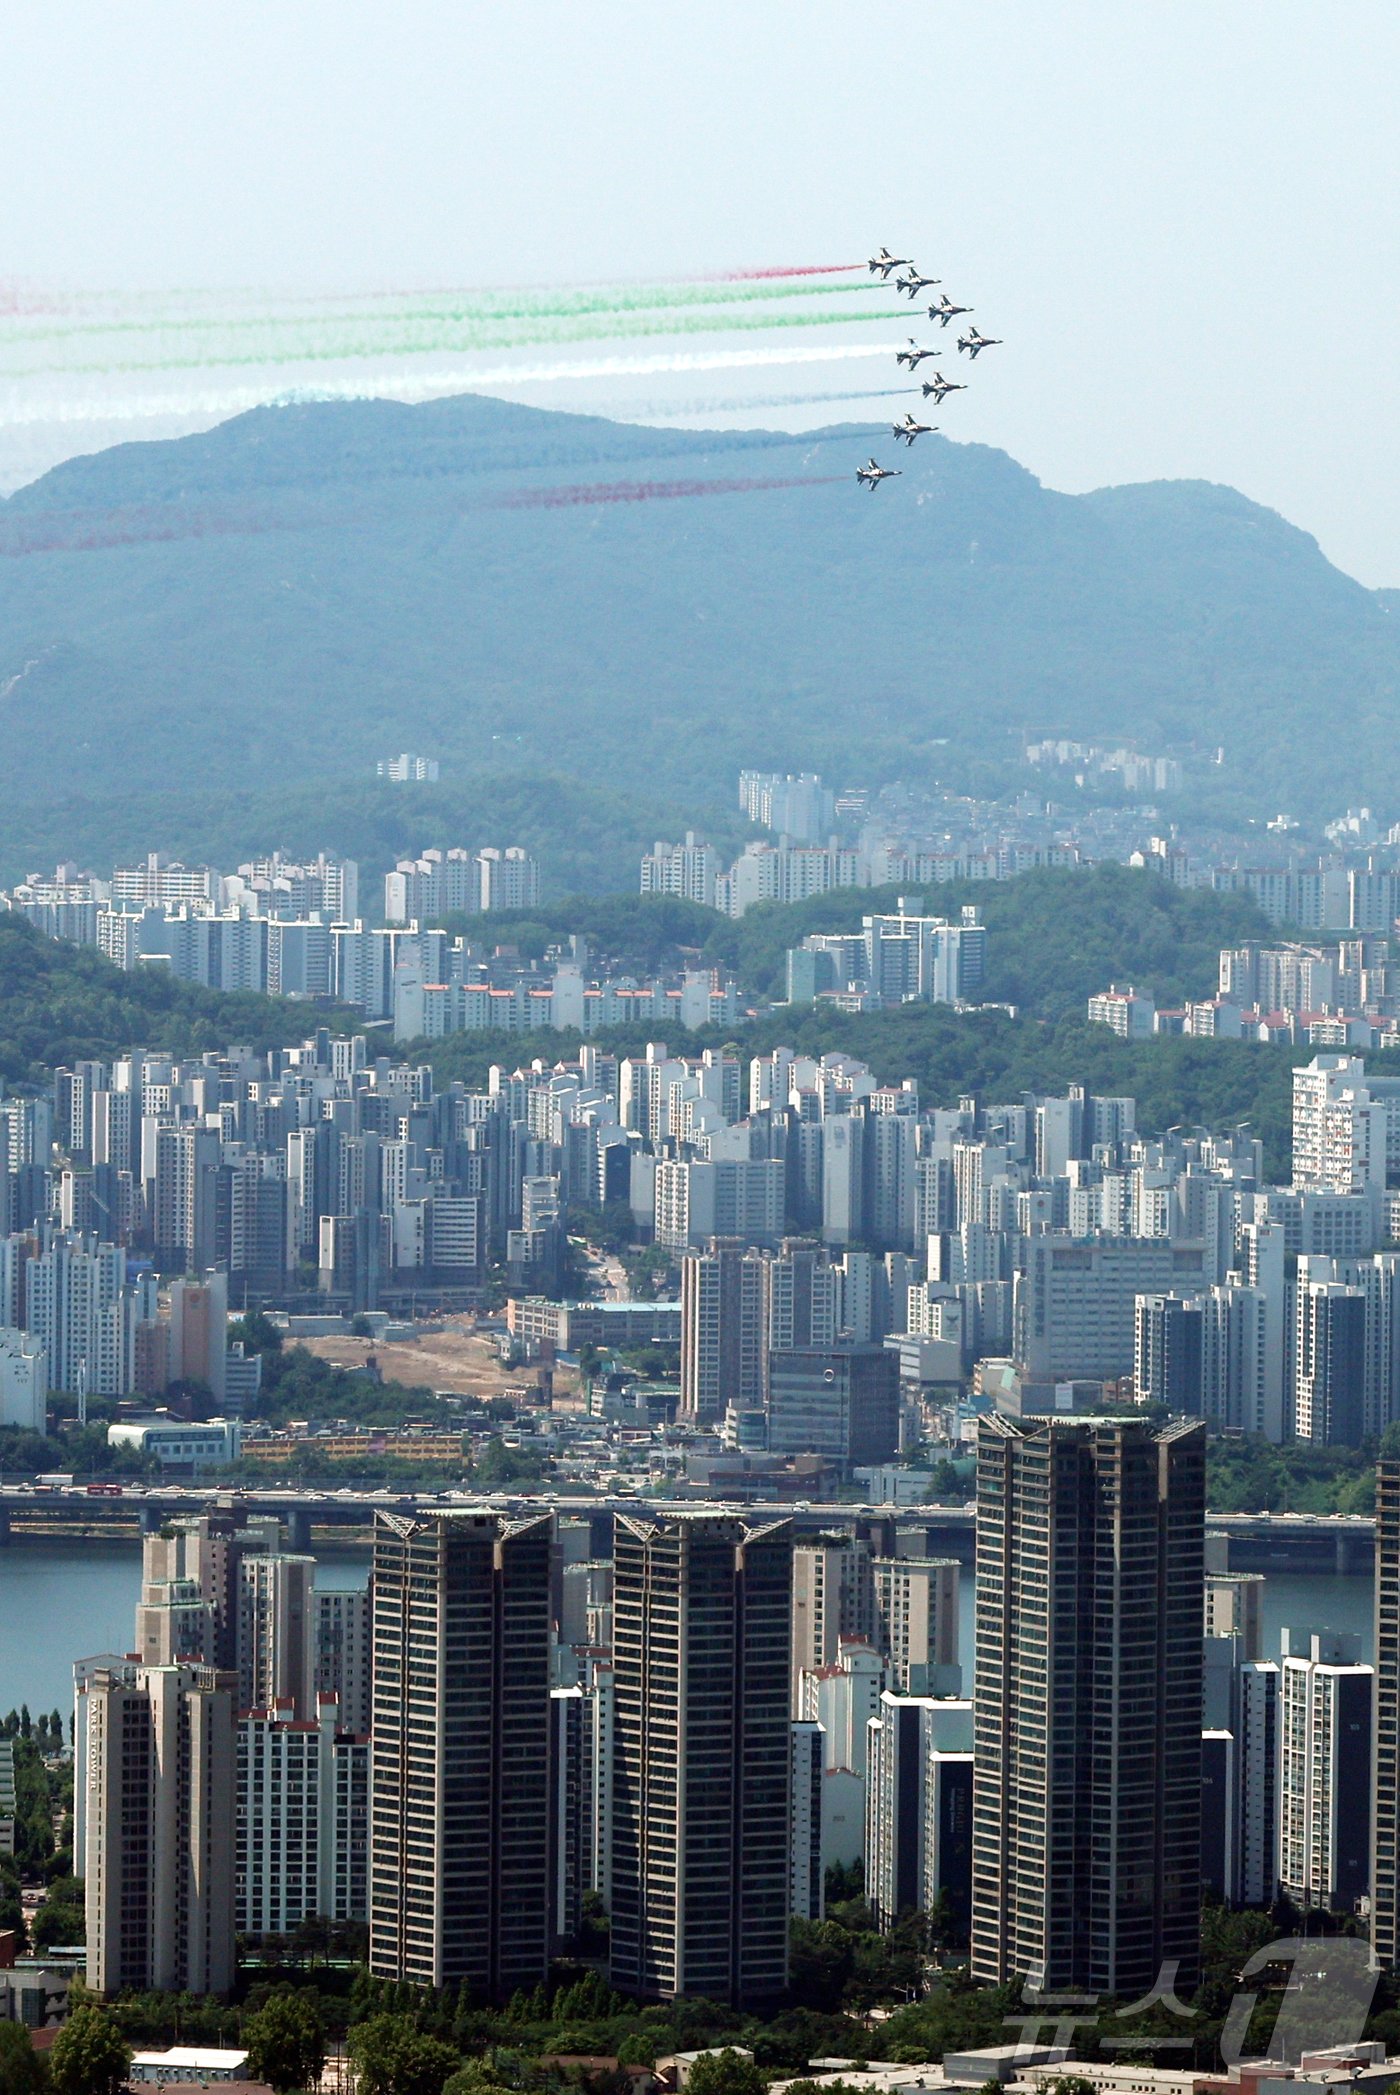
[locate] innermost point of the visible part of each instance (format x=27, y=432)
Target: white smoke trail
x=19, y=411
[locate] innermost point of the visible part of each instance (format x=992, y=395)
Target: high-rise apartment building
x=687, y=869
x=1339, y=1130
x=277, y=1633
x=1087, y=1789
x=1385, y=1772
x=185, y=1197
x=209, y=1549
x=510, y=879
x=460, y=1836
x=1075, y=1300
x=807, y=1881
x=1324, y=1788
x=724, y=1338
x=842, y=1698
x=916, y=1622
x=918, y=1821
x=1240, y=1714
x=342, y=1654
x=173, y=1622
x=739, y=1197
x=159, y=1830
x=833, y=1597
x=80, y=1308
x=1167, y=1353
x=700, y=1862
x=1329, y=1357
x=199, y=1333
x=302, y=1842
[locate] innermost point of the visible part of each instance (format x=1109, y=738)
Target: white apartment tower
x=159, y=1820
x=1324, y=1810
x=303, y=1820
x=277, y=1633
x=687, y=869
x=1339, y=1131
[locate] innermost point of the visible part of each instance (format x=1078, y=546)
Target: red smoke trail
x=754, y=276
x=647, y=491
x=75, y=533
x=104, y=531
x=22, y=301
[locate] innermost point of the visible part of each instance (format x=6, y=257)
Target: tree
x=90, y=2056
x=391, y=2057
x=59, y=1920
x=821, y=1955
x=21, y=2068
x=474, y=2078
x=725, y=2072
x=256, y=1332
x=286, y=2043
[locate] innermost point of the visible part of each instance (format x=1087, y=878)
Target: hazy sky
x=1181, y=215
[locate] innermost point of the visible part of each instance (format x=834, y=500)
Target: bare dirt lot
x=449, y=1354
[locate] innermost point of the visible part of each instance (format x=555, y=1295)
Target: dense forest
x=60, y=1004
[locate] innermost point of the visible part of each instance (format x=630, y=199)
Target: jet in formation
x=944, y=309
x=884, y=262
x=913, y=284
x=871, y=474
x=974, y=343
x=938, y=388
x=913, y=355
x=908, y=429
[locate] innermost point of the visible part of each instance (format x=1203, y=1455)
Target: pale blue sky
x=1181, y=216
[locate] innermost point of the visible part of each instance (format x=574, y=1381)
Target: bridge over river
x=1288, y=1542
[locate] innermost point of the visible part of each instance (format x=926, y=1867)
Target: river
x=63, y=1601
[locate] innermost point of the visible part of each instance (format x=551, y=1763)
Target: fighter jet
x=974, y=343
x=914, y=283
x=872, y=474
x=938, y=388
x=884, y=262
x=945, y=310
x=908, y=429
x=913, y=354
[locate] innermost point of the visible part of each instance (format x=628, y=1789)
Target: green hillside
x=60, y=1004
x=207, y=643
x=1054, y=937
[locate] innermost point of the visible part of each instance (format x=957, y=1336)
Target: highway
x=1255, y=1541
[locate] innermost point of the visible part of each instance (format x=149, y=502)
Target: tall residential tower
x=1087, y=1783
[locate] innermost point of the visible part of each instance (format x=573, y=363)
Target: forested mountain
x=206, y=643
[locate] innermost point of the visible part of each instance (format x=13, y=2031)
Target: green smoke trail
x=433, y=336
x=450, y=308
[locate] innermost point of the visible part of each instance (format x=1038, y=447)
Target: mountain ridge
x=260, y=610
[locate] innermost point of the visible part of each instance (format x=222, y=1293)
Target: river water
x=61, y=1601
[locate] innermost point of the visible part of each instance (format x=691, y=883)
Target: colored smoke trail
x=746, y=276
x=417, y=325
x=610, y=491
x=109, y=363
x=742, y=403
x=427, y=341
x=76, y=531
x=422, y=385
x=106, y=531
